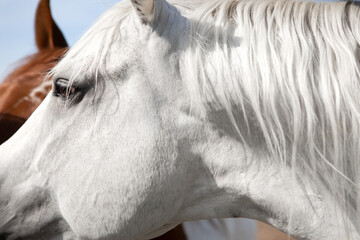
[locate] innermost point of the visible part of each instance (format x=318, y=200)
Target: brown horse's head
x=24, y=89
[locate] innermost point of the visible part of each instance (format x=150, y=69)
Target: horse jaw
x=26, y=204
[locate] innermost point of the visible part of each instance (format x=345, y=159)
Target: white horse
x=164, y=113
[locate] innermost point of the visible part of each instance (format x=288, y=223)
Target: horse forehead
x=129, y=44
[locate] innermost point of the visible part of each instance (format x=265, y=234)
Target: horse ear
x=144, y=9
x=47, y=33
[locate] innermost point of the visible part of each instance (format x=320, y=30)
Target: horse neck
x=245, y=182
x=230, y=86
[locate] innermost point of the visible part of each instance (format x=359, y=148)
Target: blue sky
x=73, y=17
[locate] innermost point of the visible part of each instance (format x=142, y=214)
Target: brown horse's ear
x=47, y=33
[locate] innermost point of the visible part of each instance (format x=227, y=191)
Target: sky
x=73, y=17
x=17, y=18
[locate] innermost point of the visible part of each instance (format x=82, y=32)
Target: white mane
x=291, y=69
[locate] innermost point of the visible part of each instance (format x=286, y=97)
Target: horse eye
x=62, y=88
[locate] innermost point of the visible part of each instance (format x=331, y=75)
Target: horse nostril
x=4, y=236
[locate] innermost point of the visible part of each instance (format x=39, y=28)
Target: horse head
x=140, y=132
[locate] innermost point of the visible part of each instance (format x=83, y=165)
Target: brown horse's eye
x=62, y=88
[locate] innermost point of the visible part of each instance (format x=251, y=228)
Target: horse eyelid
x=62, y=88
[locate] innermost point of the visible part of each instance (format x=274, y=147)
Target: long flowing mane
x=290, y=69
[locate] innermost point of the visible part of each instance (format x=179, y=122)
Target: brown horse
x=23, y=90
